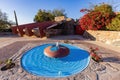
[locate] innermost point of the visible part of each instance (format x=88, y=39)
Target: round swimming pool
x=35, y=62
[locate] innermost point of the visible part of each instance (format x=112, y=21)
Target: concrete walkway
x=6, y=40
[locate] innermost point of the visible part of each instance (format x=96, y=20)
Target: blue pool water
x=35, y=62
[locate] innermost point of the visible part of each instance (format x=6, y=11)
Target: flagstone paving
x=14, y=46
x=109, y=69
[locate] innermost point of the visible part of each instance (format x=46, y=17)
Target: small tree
x=43, y=15
x=58, y=12
x=49, y=15
x=3, y=20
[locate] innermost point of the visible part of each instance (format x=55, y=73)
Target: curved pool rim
x=55, y=58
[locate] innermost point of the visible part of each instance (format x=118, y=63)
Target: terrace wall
x=107, y=37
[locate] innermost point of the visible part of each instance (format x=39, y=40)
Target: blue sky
x=27, y=9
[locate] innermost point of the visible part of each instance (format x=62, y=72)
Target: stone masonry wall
x=107, y=37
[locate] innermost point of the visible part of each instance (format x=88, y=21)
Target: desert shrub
x=95, y=21
x=97, y=18
x=115, y=24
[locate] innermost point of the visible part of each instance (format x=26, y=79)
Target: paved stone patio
x=12, y=46
x=109, y=69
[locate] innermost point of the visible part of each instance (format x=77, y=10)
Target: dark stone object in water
x=7, y=66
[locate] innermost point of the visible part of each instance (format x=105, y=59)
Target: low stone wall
x=107, y=37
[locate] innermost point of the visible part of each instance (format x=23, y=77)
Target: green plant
x=93, y=50
x=104, y=8
x=9, y=61
x=115, y=24
x=94, y=55
x=4, y=22
x=48, y=15
x=8, y=65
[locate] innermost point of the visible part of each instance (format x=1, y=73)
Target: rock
x=60, y=18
